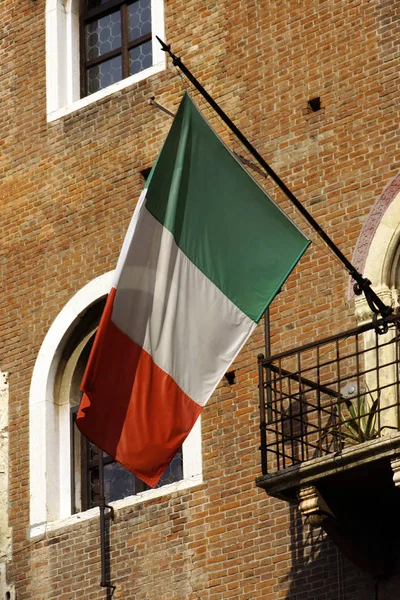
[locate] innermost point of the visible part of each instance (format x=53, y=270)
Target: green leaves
x=358, y=419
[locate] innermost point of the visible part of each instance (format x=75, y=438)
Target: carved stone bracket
x=395, y=464
x=313, y=506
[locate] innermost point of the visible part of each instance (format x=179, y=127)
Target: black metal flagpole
x=106, y=513
x=362, y=284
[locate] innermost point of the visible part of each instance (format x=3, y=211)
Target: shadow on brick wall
x=320, y=571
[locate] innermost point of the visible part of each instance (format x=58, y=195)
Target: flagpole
x=104, y=532
x=362, y=284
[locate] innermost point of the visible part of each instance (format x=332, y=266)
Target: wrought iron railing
x=329, y=395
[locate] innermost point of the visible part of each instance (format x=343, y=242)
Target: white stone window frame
x=49, y=430
x=63, y=59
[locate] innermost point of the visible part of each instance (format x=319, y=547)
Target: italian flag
x=204, y=255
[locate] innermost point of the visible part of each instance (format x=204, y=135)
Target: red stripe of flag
x=140, y=415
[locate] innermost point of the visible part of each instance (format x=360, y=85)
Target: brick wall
x=68, y=189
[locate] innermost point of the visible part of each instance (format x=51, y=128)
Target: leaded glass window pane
x=104, y=74
x=174, y=471
x=103, y=35
x=118, y=481
x=139, y=21
x=140, y=58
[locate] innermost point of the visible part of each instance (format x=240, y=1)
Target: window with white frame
x=63, y=464
x=115, y=41
x=97, y=47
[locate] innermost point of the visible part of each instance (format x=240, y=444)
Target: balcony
x=330, y=439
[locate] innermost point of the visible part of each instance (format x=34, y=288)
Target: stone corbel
x=313, y=506
x=395, y=464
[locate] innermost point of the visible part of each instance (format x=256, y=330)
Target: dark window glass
x=140, y=58
x=104, y=74
x=103, y=35
x=139, y=22
x=118, y=482
x=115, y=41
x=97, y=3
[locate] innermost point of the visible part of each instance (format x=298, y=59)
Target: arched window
x=377, y=256
x=115, y=41
x=63, y=464
x=84, y=472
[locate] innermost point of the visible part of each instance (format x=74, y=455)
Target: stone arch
x=376, y=254
x=377, y=257
x=49, y=432
x=49, y=418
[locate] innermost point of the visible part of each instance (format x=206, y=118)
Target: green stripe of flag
x=219, y=216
